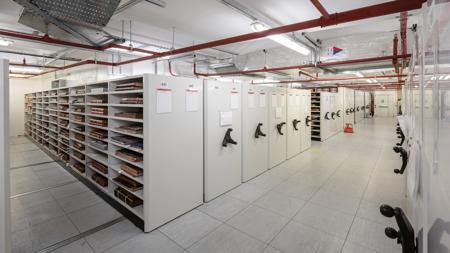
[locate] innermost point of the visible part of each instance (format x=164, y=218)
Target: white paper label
x=251, y=99
x=192, y=100
x=278, y=112
x=262, y=99
x=234, y=100
x=226, y=118
x=163, y=100
x=274, y=100
x=283, y=100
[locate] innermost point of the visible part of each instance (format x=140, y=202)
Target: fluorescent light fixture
x=358, y=74
x=5, y=43
x=18, y=75
x=441, y=78
x=224, y=80
x=25, y=70
x=266, y=81
x=447, y=77
x=281, y=39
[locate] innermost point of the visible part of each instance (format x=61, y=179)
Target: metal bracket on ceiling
x=36, y=10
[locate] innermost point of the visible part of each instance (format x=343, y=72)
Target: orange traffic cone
x=348, y=128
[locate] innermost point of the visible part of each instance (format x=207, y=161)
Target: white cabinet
x=305, y=110
x=294, y=122
x=277, y=126
x=255, y=130
x=223, y=143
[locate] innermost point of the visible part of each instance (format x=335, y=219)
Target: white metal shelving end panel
x=294, y=122
x=5, y=220
x=277, y=120
x=255, y=115
x=223, y=165
x=173, y=146
x=306, y=117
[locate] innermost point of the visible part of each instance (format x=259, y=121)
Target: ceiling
x=198, y=21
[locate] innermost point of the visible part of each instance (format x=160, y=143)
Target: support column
x=5, y=220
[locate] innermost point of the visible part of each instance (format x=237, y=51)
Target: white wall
x=18, y=88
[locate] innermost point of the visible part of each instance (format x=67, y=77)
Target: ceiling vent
x=82, y=20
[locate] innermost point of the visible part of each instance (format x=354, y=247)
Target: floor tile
x=68, y=190
x=223, y=207
x=247, y=192
x=266, y=181
x=296, y=190
x=23, y=147
x=371, y=235
x=113, y=235
x=336, y=201
x=79, y=201
x=295, y=238
x=30, y=200
x=147, y=242
x=190, y=228
x=355, y=248
x=80, y=246
x=326, y=220
x=93, y=216
x=44, y=235
x=280, y=204
x=259, y=223
x=271, y=250
x=227, y=240
x=30, y=217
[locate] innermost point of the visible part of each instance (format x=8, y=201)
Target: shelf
x=96, y=104
x=97, y=149
x=138, y=164
x=99, y=158
x=117, y=169
x=125, y=133
x=97, y=115
x=128, y=105
x=139, y=194
x=127, y=119
x=141, y=151
x=78, y=159
x=126, y=92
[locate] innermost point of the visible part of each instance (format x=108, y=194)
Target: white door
x=382, y=105
x=222, y=119
x=255, y=130
x=277, y=126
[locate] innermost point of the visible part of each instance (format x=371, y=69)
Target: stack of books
x=78, y=118
x=79, y=137
x=129, y=86
x=98, y=90
x=132, y=129
x=99, y=166
x=127, y=197
x=132, y=142
x=99, y=179
x=99, y=110
x=132, y=170
x=98, y=101
x=99, y=144
x=98, y=122
x=129, y=155
x=133, y=100
x=131, y=115
x=130, y=184
x=99, y=134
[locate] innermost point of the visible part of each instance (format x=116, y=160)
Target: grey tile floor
x=321, y=201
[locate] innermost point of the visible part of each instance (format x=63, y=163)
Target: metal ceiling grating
x=82, y=12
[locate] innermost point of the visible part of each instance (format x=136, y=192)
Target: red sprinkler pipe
x=333, y=79
x=334, y=19
x=395, y=54
x=320, y=8
x=324, y=64
x=170, y=68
